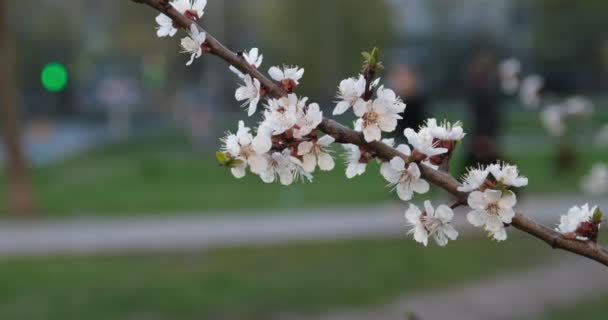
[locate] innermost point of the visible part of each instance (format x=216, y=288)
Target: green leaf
x=597, y=216
x=221, y=157
x=367, y=56
x=234, y=163
x=376, y=55
x=226, y=161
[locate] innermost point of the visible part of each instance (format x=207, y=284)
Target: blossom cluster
x=287, y=144
x=554, y=113
x=581, y=223
x=491, y=197
x=596, y=182
x=194, y=42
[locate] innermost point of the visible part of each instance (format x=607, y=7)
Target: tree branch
x=343, y=134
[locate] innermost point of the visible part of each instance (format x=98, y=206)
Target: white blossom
x=315, y=152
x=492, y=209
x=253, y=57
x=308, y=119
x=390, y=100
x=239, y=146
x=571, y=221
x=281, y=114
x=507, y=175
x=287, y=74
x=509, y=73
x=375, y=117
x=405, y=178
x=356, y=165
x=424, y=142
x=349, y=93
x=262, y=142
x=445, y=131
x=552, y=120
x=193, y=10
x=279, y=165
x=596, y=183
x=193, y=43
x=474, y=179
x=433, y=222
x=250, y=93
x=530, y=91
x=578, y=106
x=389, y=142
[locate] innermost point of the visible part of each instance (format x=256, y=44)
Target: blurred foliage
x=325, y=37
x=570, y=38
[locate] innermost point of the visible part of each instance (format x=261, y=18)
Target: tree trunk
x=19, y=195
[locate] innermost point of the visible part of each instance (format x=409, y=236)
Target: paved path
x=225, y=229
x=560, y=282
x=194, y=231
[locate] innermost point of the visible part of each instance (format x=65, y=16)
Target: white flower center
x=247, y=151
x=493, y=208
x=371, y=117
x=430, y=224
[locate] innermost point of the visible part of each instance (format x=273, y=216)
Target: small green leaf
x=376, y=55
x=221, y=158
x=597, y=216
x=367, y=56
x=234, y=163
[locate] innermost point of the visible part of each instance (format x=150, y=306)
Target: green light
x=54, y=77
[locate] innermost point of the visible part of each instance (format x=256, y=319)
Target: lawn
x=248, y=283
x=594, y=309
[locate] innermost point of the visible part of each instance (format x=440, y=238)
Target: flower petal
x=477, y=200
x=506, y=214
x=477, y=218
x=420, y=186
x=372, y=133
x=492, y=195
x=508, y=200
x=444, y=213
x=493, y=223
x=361, y=107
x=276, y=74
x=450, y=231
x=341, y=107
x=326, y=162
x=413, y=214
x=305, y=148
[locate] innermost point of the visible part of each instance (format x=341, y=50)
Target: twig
x=343, y=134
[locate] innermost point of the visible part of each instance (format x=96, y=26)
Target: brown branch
x=343, y=134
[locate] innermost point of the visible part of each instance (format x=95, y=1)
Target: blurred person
x=406, y=82
x=483, y=94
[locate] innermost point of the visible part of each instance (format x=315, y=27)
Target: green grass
x=594, y=309
x=247, y=283
x=161, y=174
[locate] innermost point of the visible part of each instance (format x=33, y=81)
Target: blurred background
x=113, y=205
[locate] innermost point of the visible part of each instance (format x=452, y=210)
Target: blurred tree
x=20, y=201
x=572, y=34
x=325, y=37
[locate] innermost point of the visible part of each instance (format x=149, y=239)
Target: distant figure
x=407, y=84
x=483, y=94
